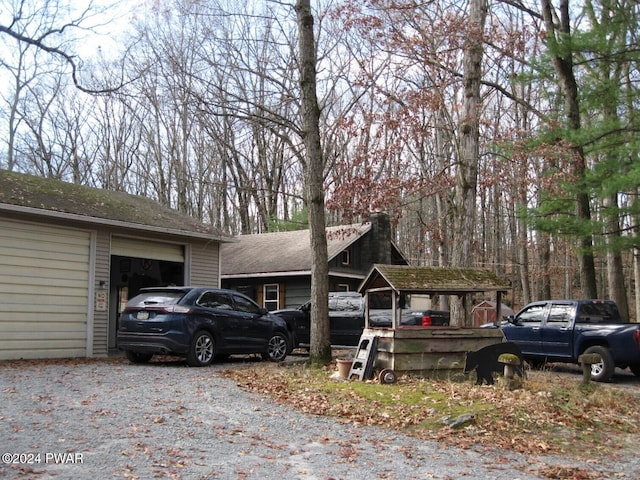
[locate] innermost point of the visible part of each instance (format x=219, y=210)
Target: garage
x=71, y=256
x=44, y=290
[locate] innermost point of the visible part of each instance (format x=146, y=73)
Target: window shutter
x=260, y=295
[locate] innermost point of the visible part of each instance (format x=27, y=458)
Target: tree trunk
x=467, y=168
x=544, y=253
x=635, y=229
x=559, y=46
x=523, y=252
x=320, y=342
x=615, y=276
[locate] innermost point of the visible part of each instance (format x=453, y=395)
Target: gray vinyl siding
x=297, y=292
x=101, y=317
x=205, y=264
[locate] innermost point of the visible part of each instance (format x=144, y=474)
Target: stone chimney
x=380, y=238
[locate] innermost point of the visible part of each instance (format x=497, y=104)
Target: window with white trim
x=271, y=296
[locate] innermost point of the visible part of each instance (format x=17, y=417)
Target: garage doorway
x=129, y=275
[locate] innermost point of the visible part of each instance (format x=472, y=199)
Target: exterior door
x=525, y=331
x=557, y=331
x=218, y=307
x=256, y=329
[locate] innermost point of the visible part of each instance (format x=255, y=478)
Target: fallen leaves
x=543, y=417
x=569, y=473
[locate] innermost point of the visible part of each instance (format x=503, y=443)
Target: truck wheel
x=635, y=369
x=602, y=371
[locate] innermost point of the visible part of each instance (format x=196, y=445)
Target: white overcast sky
x=109, y=27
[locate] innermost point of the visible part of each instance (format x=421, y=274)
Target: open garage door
x=44, y=290
x=136, y=248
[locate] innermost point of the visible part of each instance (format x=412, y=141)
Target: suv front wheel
x=277, y=348
x=201, y=350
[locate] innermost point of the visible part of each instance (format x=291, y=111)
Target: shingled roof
x=408, y=278
x=284, y=252
x=31, y=194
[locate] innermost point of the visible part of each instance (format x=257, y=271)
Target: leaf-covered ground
x=549, y=414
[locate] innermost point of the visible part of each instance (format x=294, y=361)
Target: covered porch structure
x=433, y=351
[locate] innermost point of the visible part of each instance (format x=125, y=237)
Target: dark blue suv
x=199, y=323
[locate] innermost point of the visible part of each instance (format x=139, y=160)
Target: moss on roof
x=57, y=196
x=433, y=279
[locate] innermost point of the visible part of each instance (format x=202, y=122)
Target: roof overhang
x=294, y=273
x=38, y=212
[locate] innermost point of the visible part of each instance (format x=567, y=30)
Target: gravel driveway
x=98, y=419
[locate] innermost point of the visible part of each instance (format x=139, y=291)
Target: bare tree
x=47, y=27
x=314, y=175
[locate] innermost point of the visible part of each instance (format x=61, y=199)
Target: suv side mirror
x=512, y=319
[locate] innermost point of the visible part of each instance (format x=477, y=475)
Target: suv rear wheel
x=201, y=350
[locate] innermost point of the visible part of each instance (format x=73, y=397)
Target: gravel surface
x=99, y=419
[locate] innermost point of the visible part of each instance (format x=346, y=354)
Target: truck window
x=560, y=315
x=598, y=312
x=532, y=315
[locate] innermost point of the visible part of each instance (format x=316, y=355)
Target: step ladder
x=362, y=366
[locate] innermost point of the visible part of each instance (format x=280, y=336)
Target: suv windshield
x=149, y=299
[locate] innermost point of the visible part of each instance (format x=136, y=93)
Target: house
x=71, y=256
x=275, y=268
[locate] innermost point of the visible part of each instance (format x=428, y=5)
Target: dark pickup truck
x=562, y=330
x=346, y=319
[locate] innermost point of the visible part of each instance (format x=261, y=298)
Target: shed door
x=44, y=291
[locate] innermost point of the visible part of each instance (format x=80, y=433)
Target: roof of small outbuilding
x=407, y=278
x=45, y=196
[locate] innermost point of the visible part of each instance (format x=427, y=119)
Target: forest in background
x=197, y=104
